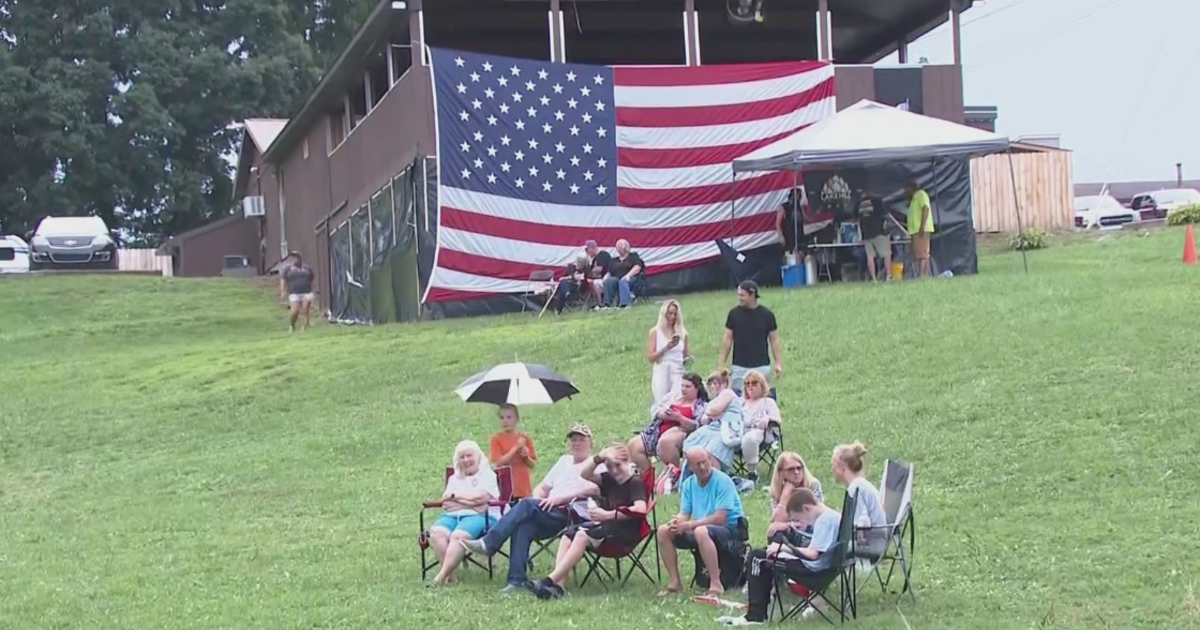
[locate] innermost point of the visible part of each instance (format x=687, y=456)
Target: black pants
x=563, y=293
x=761, y=581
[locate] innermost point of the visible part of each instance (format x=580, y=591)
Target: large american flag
x=535, y=158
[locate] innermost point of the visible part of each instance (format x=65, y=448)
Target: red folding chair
x=505, y=481
x=617, y=551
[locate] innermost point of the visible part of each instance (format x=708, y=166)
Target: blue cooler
x=793, y=276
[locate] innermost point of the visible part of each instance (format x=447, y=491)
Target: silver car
x=72, y=243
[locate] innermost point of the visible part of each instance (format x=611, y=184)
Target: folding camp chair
x=768, y=452
x=538, y=280
x=896, y=489
x=505, y=481
x=539, y=546
x=616, y=551
x=818, y=585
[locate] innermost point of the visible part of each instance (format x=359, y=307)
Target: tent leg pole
x=795, y=210
x=1012, y=174
x=733, y=219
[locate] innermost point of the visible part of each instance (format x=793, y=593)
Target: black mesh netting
x=339, y=259
x=382, y=234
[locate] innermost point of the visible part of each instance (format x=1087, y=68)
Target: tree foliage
x=126, y=110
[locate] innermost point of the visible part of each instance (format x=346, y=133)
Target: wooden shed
x=1044, y=183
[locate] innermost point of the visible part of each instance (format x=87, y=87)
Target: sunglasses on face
x=794, y=469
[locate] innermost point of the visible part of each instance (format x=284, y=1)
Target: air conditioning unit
x=254, y=207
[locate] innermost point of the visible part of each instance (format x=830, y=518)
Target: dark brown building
x=234, y=245
x=372, y=116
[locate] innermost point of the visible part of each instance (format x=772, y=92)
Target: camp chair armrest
x=498, y=504
x=429, y=505
x=629, y=512
x=867, y=528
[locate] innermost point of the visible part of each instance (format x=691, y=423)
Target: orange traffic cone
x=1189, y=246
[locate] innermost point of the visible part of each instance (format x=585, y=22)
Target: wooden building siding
x=854, y=83
x=1044, y=183
x=942, y=91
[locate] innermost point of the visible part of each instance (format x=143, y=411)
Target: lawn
x=171, y=458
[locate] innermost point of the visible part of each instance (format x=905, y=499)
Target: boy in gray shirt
x=803, y=508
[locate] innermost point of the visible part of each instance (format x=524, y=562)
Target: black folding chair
x=819, y=584
x=900, y=532
x=768, y=452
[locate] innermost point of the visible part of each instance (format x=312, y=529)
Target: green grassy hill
x=171, y=458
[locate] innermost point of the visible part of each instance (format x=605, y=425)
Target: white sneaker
x=808, y=613
x=737, y=621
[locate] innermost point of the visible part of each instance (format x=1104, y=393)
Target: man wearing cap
x=298, y=282
x=749, y=328
x=545, y=514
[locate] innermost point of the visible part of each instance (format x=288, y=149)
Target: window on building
x=377, y=74
x=337, y=126
x=401, y=60
x=306, y=148
x=358, y=103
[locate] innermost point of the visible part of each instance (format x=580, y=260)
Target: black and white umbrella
x=517, y=384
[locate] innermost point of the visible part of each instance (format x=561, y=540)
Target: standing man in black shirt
x=749, y=328
x=871, y=218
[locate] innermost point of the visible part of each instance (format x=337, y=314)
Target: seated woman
x=671, y=419
x=616, y=516
x=759, y=411
x=790, y=475
x=849, y=467
x=720, y=426
x=465, y=511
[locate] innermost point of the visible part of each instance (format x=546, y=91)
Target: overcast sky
x=1079, y=68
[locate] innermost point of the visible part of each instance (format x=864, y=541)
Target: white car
x=14, y=255
x=1159, y=203
x=1102, y=212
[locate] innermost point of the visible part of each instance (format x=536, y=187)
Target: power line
x=1162, y=43
x=981, y=18
x=1038, y=37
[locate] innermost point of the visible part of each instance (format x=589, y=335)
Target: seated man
x=623, y=276
x=710, y=517
x=544, y=514
x=617, y=516
x=804, y=509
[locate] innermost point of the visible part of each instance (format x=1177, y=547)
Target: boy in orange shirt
x=512, y=448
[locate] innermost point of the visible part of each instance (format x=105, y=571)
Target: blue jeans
x=619, y=287
x=524, y=523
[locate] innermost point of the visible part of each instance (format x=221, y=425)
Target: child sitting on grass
x=514, y=449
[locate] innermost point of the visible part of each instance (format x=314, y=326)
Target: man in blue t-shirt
x=710, y=516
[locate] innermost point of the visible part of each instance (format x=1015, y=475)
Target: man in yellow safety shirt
x=920, y=226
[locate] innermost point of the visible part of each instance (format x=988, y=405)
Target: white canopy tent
x=870, y=133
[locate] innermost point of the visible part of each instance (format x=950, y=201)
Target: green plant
x=1029, y=239
x=1184, y=215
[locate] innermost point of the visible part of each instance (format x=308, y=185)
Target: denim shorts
x=473, y=524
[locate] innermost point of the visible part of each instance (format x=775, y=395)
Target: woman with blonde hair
x=849, y=468
x=720, y=427
x=465, y=511
x=760, y=412
x=668, y=350
x=791, y=474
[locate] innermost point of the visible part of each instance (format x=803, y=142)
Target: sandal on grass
x=667, y=592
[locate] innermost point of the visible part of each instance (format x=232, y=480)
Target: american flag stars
x=556, y=120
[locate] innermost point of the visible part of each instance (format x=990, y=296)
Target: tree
x=126, y=110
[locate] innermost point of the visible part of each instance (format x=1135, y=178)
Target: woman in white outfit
x=759, y=411
x=667, y=348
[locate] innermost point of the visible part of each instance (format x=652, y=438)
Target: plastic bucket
x=793, y=276
x=897, y=271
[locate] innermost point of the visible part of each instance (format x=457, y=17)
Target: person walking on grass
x=749, y=328
x=920, y=226
x=298, y=283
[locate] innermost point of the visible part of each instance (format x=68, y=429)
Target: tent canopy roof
x=870, y=133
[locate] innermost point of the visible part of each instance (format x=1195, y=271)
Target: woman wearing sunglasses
x=790, y=474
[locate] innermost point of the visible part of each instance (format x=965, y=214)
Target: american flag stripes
x=535, y=158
